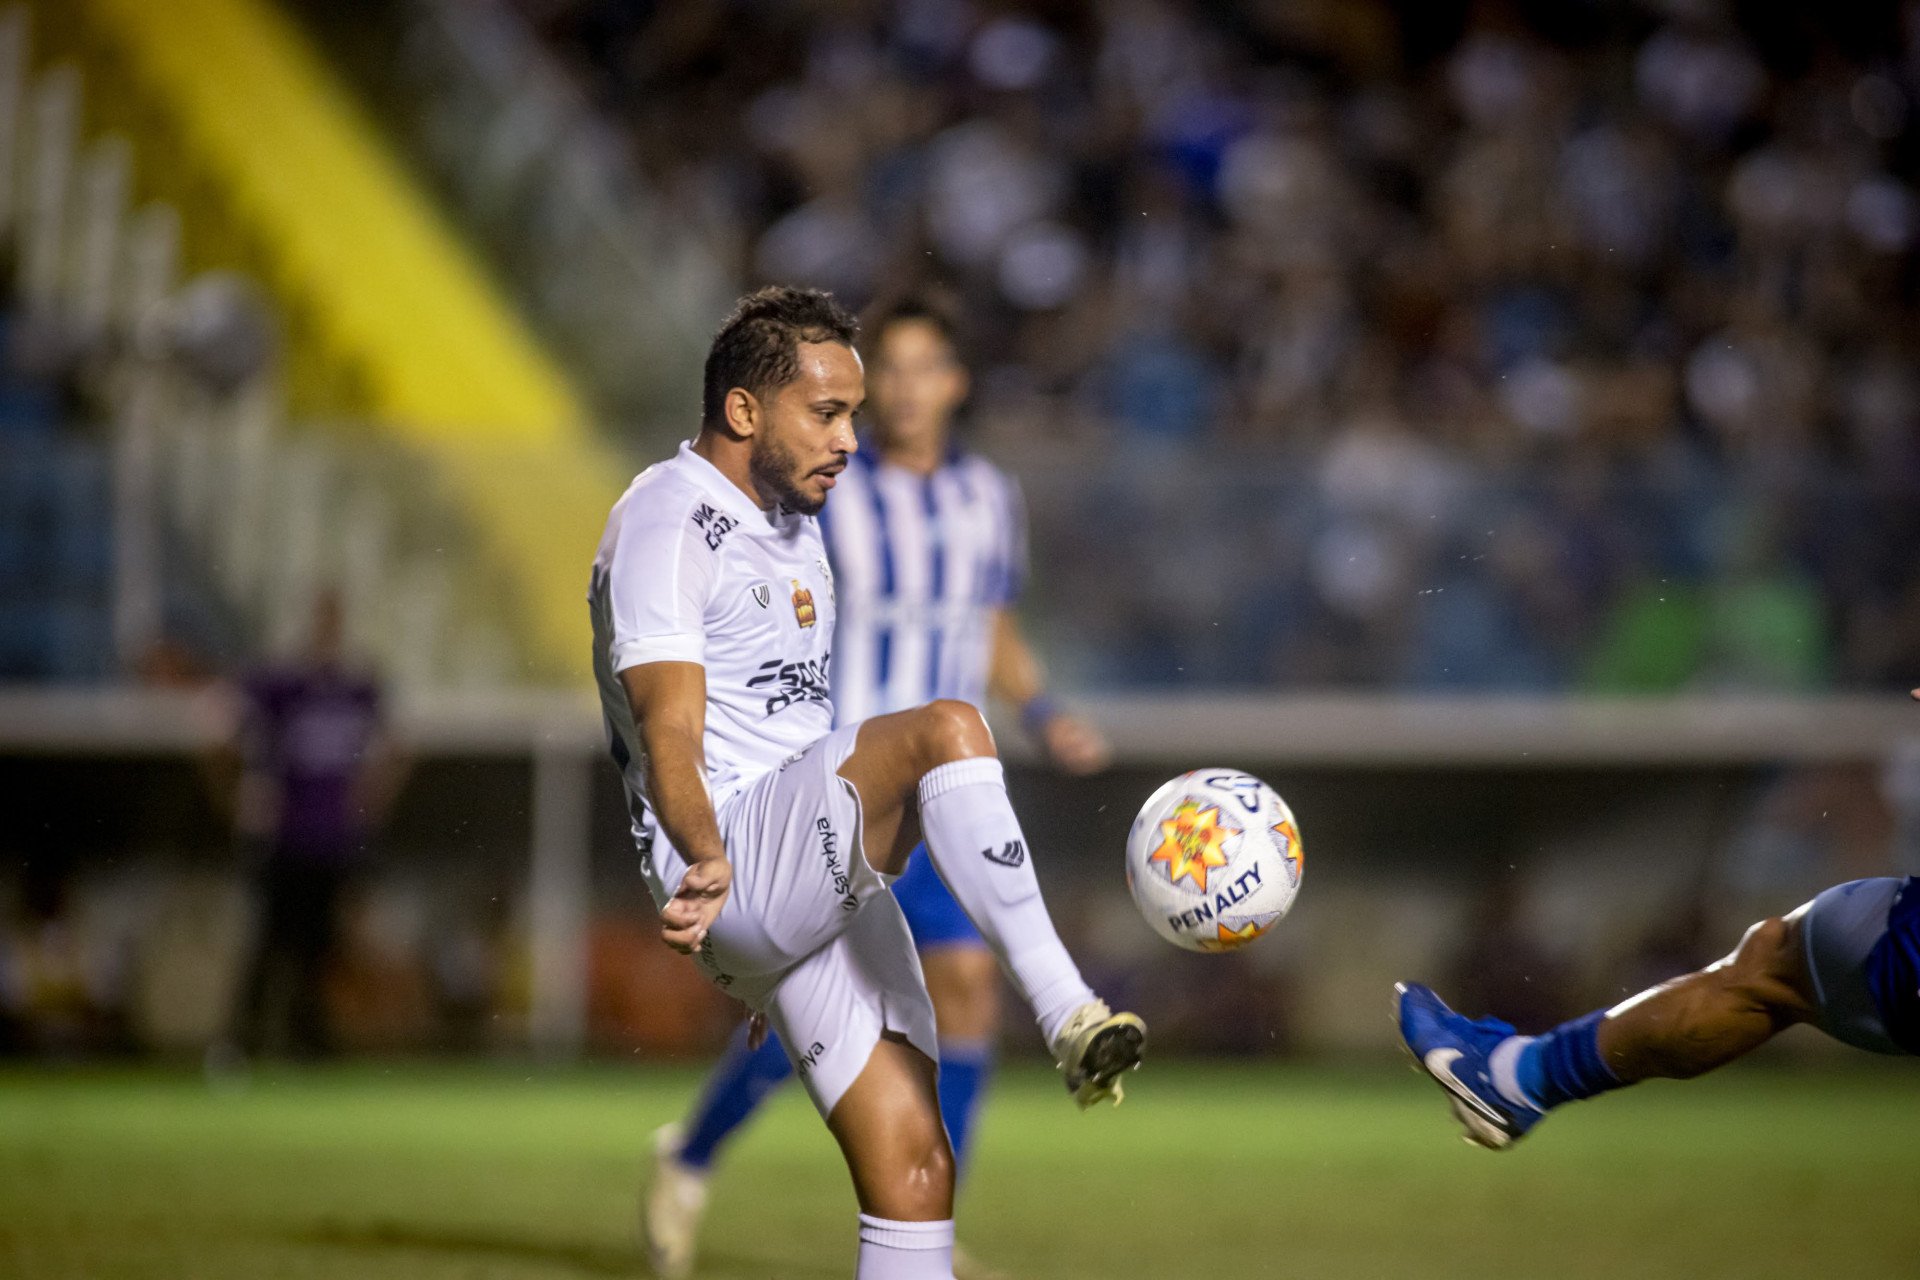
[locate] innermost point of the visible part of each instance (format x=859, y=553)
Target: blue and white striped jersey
x=920, y=563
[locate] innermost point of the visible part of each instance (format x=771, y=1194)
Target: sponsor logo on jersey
x=1011, y=854
x=810, y=1059
x=716, y=525
x=803, y=681
x=830, y=854
x=803, y=604
x=762, y=594
x=1192, y=843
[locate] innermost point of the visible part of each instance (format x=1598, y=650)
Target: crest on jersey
x=803, y=604
x=762, y=594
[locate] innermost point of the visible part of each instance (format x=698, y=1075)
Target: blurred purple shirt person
x=309, y=732
x=315, y=772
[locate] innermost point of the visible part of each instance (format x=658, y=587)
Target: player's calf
x=888, y=1126
x=1693, y=1024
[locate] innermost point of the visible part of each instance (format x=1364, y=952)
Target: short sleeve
x=658, y=586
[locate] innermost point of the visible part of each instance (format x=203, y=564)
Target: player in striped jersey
x=928, y=549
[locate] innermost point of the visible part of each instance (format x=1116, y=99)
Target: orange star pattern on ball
x=1230, y=938
x=1292, y=850
x=1190, y=843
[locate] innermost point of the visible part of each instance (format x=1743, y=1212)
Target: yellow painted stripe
x=385, y=288
x=390, y=288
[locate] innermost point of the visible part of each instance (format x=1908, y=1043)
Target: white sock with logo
x=904, y=1250
x=982, y=856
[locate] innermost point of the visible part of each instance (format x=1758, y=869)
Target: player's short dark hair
x=758, y=346
x=929, y=306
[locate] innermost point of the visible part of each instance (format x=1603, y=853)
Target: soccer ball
x=1213, y=860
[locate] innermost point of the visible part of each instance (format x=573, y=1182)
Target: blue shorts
x=1863, y=955
x=934, y=918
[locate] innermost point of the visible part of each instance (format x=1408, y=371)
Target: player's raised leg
x=1808, y=966
x=933, y=770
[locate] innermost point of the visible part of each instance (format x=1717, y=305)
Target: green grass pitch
x=1208, y=1171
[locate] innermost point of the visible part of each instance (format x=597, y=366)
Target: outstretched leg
x=1808, y=966
x=1690, y=1025
x=933, y=771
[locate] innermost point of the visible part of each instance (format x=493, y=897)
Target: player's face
x=807, y=430
x=918, y=381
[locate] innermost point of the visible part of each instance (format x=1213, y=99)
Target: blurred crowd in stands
x=1491, y=345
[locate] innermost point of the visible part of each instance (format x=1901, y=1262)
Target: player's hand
x=1075, y=746
x=756, y=1031
x=703, y=891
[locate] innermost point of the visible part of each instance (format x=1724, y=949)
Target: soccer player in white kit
x=767, y=837
x=927, y=543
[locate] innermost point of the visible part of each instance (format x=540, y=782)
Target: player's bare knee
x=1768, y=969
x=953, y=730
x=926, y=1174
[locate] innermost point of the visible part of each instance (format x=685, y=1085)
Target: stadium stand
x=436, y=464
x=1371, y=345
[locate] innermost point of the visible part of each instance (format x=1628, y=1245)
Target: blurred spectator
x=311, y=772
x=1625, y=281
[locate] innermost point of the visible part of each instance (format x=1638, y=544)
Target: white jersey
x=691, y=570
x=921, y=564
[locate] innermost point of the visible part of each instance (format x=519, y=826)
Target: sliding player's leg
x=933, y=771
x=964, y=983
x=1808, y=966
x=683, y=1153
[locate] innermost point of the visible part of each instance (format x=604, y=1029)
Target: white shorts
x=809, y=934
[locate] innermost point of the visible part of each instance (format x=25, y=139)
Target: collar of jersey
x=727, y=493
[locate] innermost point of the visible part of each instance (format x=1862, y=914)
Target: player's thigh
x=834, y=1006
x=1836, y=933
x=891, y=756
x=795, y=839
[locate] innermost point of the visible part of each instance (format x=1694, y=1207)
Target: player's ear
x=742, y=413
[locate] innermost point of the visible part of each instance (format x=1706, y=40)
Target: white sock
x=904, y=1250
x=980, y=853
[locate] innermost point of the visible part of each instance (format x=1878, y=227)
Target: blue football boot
x=1457, y=1052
